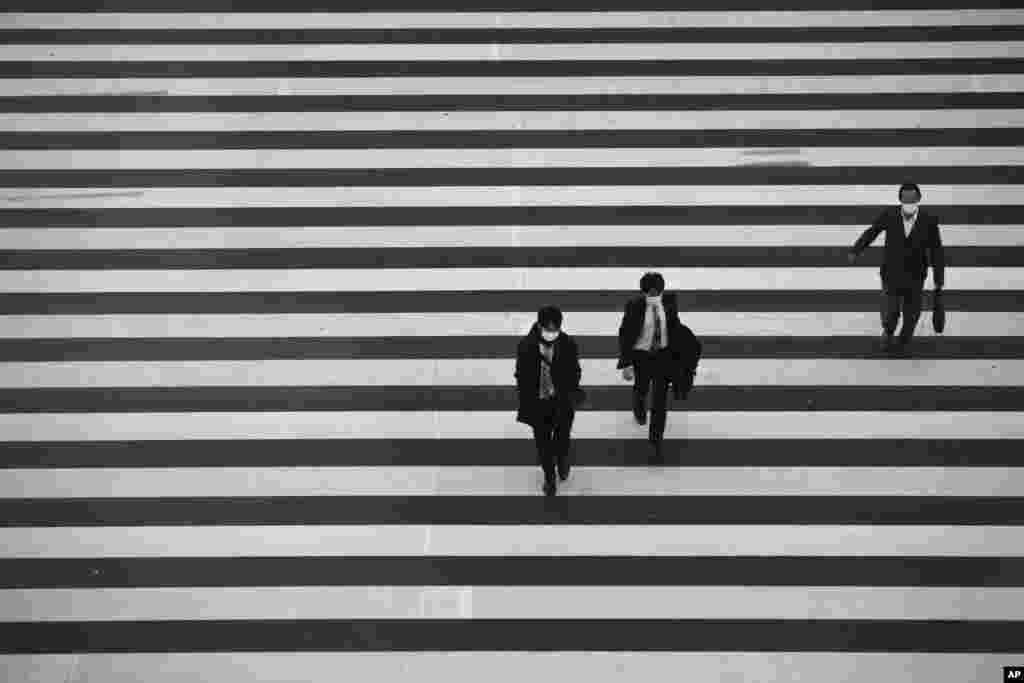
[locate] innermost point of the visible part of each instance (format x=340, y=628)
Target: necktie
x=656, y=343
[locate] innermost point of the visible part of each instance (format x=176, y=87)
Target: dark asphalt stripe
x=496, y=301
x=512, y=510
x=159, y=102
x=772, y=173
x=654, y=34
x=508, y=453
x=505, y=69
x=276, y=217
x=173, y=572
x=383, y=6
x=485, y=257
x=533, y=635
x=516, y=139
x=196, y=349
x=137, y=400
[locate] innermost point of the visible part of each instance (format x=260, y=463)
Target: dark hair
x=549, y=315
x=910, y=186
x=652, y=281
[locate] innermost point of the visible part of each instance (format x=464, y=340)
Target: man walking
x=548, y=381
x=655, y=351
x=911, y=238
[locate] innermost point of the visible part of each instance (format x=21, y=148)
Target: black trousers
x=908, y=297
x=551, y=435
x=651, y=372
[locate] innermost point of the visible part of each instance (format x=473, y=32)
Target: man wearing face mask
x=655, y=351
x=548, y=382
x=911, y=240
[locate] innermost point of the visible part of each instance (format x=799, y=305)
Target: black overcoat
x=565, y=374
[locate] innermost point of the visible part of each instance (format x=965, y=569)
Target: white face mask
x=549, y=336
x=909, y=210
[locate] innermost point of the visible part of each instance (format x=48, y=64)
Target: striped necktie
x=656, y=343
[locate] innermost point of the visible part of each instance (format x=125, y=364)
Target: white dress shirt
x=908, y=223
x=646, y=338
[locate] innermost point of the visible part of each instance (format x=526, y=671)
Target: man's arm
x=624, y=354
x=868, y=236
x=938, y=257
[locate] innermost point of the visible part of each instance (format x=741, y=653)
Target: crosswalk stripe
x=463, y=237
x=428, y=372
x=993, y=324
x=483, y=540
x=503, y=667
x=506, y=481
x=44, y=53
x=355, y=238
x=508, y=20
x=452, y=279
x=484, y=602
x=341, y=120
x=628, y=159
x=413, y=85
x=406, y=424
x=495, y=196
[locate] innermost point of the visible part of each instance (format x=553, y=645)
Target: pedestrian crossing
x=263, y=272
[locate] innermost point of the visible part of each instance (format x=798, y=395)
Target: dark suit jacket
x=683, y=345
x=906, y=260
x=565, y=373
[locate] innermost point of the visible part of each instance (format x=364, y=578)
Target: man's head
x=910, y=198
x=652, y=284
x=549, y=319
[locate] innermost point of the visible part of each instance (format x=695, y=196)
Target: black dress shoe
x=656, y=455
x=563, y=473
x=550, y=488
x=887, y=342
x=641, y=418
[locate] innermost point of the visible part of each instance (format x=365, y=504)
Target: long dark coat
x=906, y=258
x=684, y=347
x=565, y=373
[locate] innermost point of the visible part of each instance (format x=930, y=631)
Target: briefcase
x=938, y=314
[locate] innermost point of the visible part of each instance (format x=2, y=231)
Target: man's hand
x=627, y=373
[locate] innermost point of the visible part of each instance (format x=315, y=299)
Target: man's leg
x=542, y=435
x=890, y=315
x=659, y=398
x=641, y=384
x=560, y=439
x=911, y=313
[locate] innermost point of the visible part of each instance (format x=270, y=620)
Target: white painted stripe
x=481, y=279
x=272, y=482
x=485, y=540
x=838, y=119
x=497, y=52
x=463, y=237
x=478, y=424
x=473, y=324
x=496, y=196
x=500, y=667
x=402, y=20
x=567, y=85
x=431, y=372
x=511, y=602
x=608, y=157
